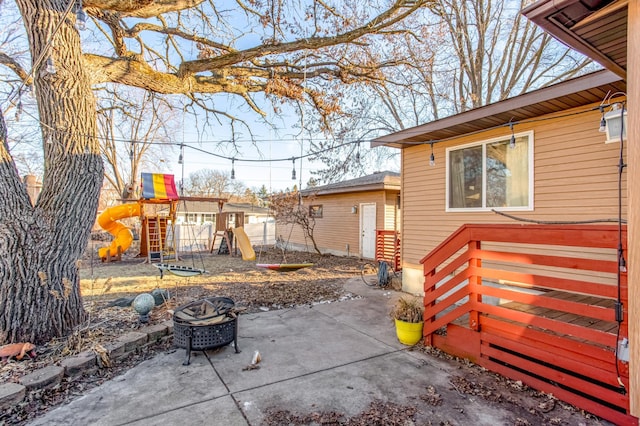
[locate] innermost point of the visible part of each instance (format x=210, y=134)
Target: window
x=491, y=175
x=315, y=210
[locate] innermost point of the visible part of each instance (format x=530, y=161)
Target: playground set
x=157, y=212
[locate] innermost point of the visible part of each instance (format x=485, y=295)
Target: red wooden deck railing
x=535, y=303
x=388, y=248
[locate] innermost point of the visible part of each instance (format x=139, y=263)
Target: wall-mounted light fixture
x=354, y=209
x=616, y=124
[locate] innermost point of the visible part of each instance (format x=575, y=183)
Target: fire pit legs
x=187, y=360
x=235, y=337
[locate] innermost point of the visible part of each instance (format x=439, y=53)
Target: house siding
x=391, y=218
x=575, y=179
x=339, y=227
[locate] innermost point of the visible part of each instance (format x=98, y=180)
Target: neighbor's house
x=200, y=217
x=204, y=212
x=348, y=215
x=503, y=233
x=34, y=187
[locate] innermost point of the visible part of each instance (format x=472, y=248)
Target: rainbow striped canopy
x=159, y=187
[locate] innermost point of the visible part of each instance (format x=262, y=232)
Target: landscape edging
x=75, y=366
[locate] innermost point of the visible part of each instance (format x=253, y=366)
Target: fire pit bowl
x=205, y=324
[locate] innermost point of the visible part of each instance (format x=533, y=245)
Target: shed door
x=368, y=230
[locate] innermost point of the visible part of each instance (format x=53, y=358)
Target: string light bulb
x=180, y=157
x=293, y=171
x=358, y=152
x=81, y=17
x=19, y=110
x=50, y=66
x=512, y=141
x=233, y=170
x=603, y=122
x=622, y=264
x=432, y=158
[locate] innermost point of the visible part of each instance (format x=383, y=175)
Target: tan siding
x=389, y=219
x=575, y=174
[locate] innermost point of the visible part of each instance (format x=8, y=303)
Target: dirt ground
x=250, y=287
x=253, y=289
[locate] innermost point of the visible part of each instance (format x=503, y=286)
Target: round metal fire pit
x=205, y=324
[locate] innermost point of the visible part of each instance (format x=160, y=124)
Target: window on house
x=207, y=217
x=315, y=210
x=491, y=175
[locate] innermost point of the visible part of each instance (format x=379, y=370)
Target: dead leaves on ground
x=377, y=413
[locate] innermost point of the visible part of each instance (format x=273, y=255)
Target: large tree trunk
x=40, y=245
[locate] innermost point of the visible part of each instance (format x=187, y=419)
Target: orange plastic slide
x=108, y=220
x=244, y=244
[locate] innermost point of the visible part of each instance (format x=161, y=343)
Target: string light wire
x=186, y=144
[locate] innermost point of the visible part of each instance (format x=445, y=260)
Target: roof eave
x=540, y=12
x=420, y=133
x=352, y=189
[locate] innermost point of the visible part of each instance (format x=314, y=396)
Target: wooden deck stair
x=560, y=339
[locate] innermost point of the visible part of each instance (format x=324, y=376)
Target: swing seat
x=181, y=271
x=283, y=267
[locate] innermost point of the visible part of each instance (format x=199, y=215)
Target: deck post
x=429, y=286
x=474, y=280
x=633, y=204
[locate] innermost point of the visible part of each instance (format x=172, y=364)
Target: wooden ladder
x=155, y=234
x=225, y=238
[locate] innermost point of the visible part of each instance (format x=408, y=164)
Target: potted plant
x=408, y=316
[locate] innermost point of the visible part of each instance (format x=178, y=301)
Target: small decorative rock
x=160, y=296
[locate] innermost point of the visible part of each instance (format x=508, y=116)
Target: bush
x=408, y=310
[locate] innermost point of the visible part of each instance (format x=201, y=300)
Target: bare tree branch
x=141, y=8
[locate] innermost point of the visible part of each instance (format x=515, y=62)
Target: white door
x=368, y=230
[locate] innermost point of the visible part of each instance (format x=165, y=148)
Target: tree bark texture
x=40, y=245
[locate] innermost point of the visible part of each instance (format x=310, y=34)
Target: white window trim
x=484, y=144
